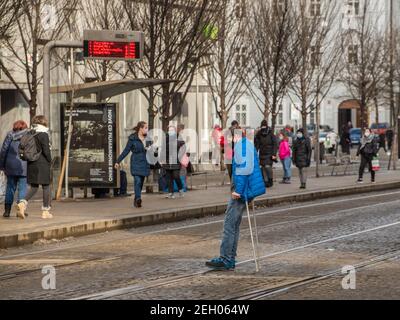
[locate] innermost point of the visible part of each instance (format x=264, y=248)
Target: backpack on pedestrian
x=28, y=148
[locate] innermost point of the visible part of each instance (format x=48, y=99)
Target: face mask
x=299, y=135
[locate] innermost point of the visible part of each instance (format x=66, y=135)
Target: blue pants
x=14, y=183
x=230, y=239
x=138, y=185
x=287, y=168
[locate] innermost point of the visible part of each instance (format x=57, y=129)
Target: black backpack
x=28, y=148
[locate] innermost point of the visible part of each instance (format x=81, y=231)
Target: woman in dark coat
x=174, y=150
x=13, y=166
x=367, y=150
x=302, y=152
x=39, y=170
x=140, y=168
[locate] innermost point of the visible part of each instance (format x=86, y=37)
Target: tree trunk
x=376, y=110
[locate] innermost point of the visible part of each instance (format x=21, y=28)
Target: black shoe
x=139, y=203
x=303, y=186
x=360, y=180
x=7, y=210
x=135, y=204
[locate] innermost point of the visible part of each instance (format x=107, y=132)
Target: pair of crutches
x=255, y=244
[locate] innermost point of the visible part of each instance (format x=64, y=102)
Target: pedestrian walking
x=267, y=146
x=367, y=150
x=14, y=168
x=229, y=146
x=382, y=142
x=285, y=157
x=331, y=141
x=302, y=152
x=35, y=148
x=140, y=167
x=248, y=184
x=175, y=152
x=345, y=140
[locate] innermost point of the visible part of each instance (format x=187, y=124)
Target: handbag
x=375, y=164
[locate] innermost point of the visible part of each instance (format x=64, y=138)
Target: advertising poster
x=94, y=142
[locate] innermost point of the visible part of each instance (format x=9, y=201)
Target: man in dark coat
x=174, y=151
x=345, y=139
x=267, y=146
x=302, y=152
x=389, y=139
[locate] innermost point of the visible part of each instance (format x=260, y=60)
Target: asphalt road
x=303, y=249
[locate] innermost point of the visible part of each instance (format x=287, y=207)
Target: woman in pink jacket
x=285, y=156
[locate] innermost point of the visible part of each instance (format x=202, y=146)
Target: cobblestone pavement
x=296, y=242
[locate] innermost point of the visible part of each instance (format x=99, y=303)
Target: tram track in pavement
x=285, y=210
x=270, y=292
x=131, y=290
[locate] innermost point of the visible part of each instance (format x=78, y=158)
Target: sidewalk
x=83, y=217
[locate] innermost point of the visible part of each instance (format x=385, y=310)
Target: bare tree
x=9, y=10
x=319, y=61
x=175, y=43
x=39, y=21
x=226, y=65
x=365, y=58
x=272, y=44
x=102, y=15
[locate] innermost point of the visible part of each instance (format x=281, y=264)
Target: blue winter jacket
x=10, y=162
x=247, y=177
x=139, y=164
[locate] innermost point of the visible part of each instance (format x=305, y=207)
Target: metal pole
x=70, y=123
x=46, y=68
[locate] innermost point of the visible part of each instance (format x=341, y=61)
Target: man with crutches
x=248, y=183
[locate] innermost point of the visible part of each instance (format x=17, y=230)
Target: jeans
x=230, y=239
x=46, y=195
x=138, y=185
x=173, y=175
x=287, y=168
x=14, y=183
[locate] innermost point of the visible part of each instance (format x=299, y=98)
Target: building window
x=280, y=116
x=315, y=57
x=241, y=114
x=353, y=7
x=353, y=54
x=315, y=8
x=312, y=117
x=241, y=58
x=240, y=9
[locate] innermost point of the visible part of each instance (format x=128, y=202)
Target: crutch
x=252, y=237
x=255, y=229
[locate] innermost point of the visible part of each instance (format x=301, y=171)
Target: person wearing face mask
x=302, y=151
x=174, y=152
x=140, y=168
x=368, y=149
x=285, y=156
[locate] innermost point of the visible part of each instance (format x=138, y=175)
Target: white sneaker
x=181, y=194
x=46, y=215
x=170, y=196
x=21, y=208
